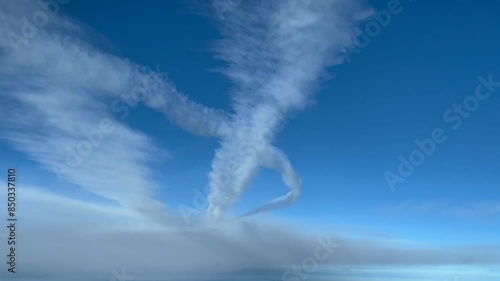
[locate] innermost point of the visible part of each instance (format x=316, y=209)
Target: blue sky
x=395, y=91
x=358, y=117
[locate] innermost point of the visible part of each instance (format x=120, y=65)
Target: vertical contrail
x=275, y=53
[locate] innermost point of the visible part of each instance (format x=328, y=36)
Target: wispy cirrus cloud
x=63, y=104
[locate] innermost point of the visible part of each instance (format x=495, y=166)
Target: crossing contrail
x=274, y=52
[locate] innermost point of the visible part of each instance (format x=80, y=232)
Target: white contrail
x=160, y=93
x=275, y=159
x=276, y=51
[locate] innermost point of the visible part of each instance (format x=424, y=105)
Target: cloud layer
x=101, y=239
